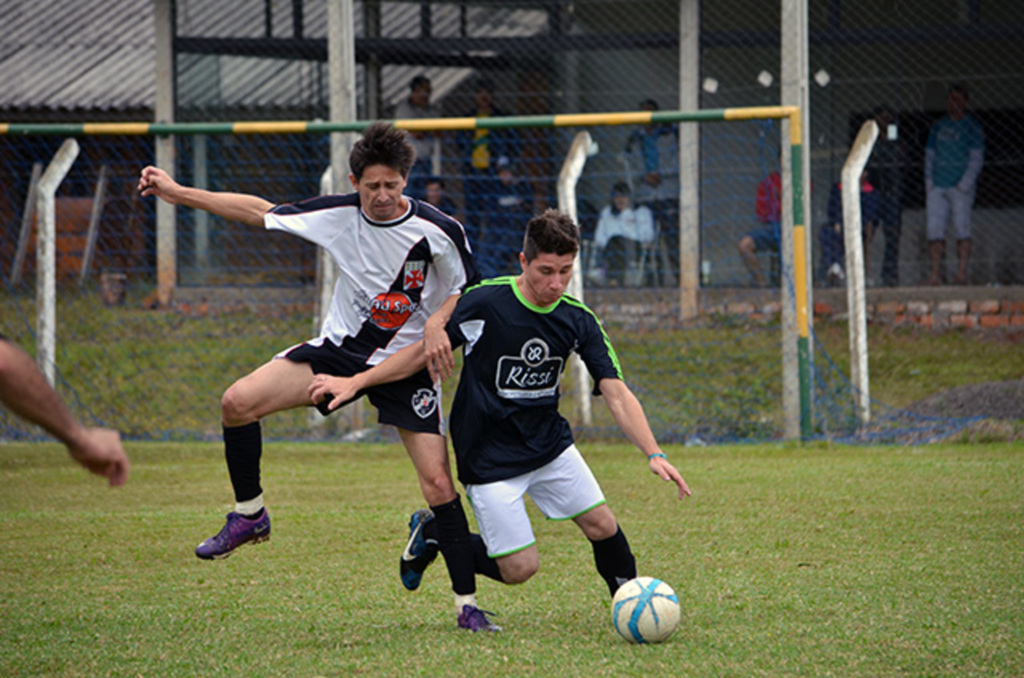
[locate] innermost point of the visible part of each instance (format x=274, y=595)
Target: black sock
x=243, y=447
x=456, y=546
x=615, y=561
x=485, y=565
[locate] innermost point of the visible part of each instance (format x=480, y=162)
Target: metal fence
x=250, y=60
x=267, y=61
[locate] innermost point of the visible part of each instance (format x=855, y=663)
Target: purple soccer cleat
x=475, y=619
x=237, y=531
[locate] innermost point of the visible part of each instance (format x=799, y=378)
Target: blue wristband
x=657, y=454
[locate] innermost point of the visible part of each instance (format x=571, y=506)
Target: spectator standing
x=885, y=168
x=953, y=158
x=480, y=149
x=427, y=144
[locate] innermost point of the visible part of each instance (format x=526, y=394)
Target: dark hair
x=650, y=104
x=486, y=84
x=551, y=232
x=382, y=144
x=419, y=81
x=620, y=188
x=959, y=87
x=433, y=179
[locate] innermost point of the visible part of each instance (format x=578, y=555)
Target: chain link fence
x=244, y=294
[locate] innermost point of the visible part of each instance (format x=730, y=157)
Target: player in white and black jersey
x=402, y=265
x=509, y=439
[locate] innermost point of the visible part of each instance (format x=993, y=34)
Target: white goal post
x=581, y=148
x=855, y=273
x=46, y=257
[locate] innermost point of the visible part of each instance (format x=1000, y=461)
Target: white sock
x=250, y=506
x=460, y=601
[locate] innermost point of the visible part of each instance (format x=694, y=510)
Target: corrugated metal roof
x=95, y=54
x=99, y=54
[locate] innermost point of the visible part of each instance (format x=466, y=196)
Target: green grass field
x=788, y=561
x=720, y=380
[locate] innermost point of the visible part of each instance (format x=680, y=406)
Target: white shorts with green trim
x=562, y=489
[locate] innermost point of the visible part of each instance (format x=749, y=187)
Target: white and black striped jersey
x=392, y=275
x=504, y=420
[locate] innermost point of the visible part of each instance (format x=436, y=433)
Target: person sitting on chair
x=623, y=232
x=766, y=237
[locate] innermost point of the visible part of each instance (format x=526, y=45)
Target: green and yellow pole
x=803, y=317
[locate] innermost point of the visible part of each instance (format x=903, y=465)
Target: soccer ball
x=645, y=610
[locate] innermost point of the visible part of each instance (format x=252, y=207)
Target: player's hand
x=652, y=179
x=663, y=467
x=438, y=350
x=100, y=451
x=338, y=390
x=155, y=181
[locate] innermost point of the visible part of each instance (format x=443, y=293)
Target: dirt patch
x=994, y=400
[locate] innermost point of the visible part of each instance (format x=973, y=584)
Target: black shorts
x=412, y=404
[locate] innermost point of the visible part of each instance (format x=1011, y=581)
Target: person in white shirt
x=623, y=231
x=401, y=264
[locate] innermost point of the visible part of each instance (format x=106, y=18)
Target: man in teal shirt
x=953, y=158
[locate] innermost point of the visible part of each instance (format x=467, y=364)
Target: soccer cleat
x=419, y=551
x=237, y=531
x=475, y=619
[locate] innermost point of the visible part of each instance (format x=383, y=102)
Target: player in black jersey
x=401, y=266
x=517, y=335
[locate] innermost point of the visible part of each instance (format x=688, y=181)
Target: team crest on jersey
x=415, y=275
x=390, y=310
x=531, y=374
x=424, y=402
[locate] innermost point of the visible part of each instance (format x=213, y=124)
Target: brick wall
x=987, y=314
x=992, y=309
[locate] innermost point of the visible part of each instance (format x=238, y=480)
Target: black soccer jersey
x=504, y=420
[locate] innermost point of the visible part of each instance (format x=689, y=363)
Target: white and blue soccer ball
x=645, y=610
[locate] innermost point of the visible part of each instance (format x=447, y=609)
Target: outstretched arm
x=24, y=390
x=437, y=348
x=402, y=364
x=248, y=209
x=629, y=415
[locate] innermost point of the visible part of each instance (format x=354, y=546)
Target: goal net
x=699, y=327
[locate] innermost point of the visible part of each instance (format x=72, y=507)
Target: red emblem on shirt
x=415, y=274
x=390, y=310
